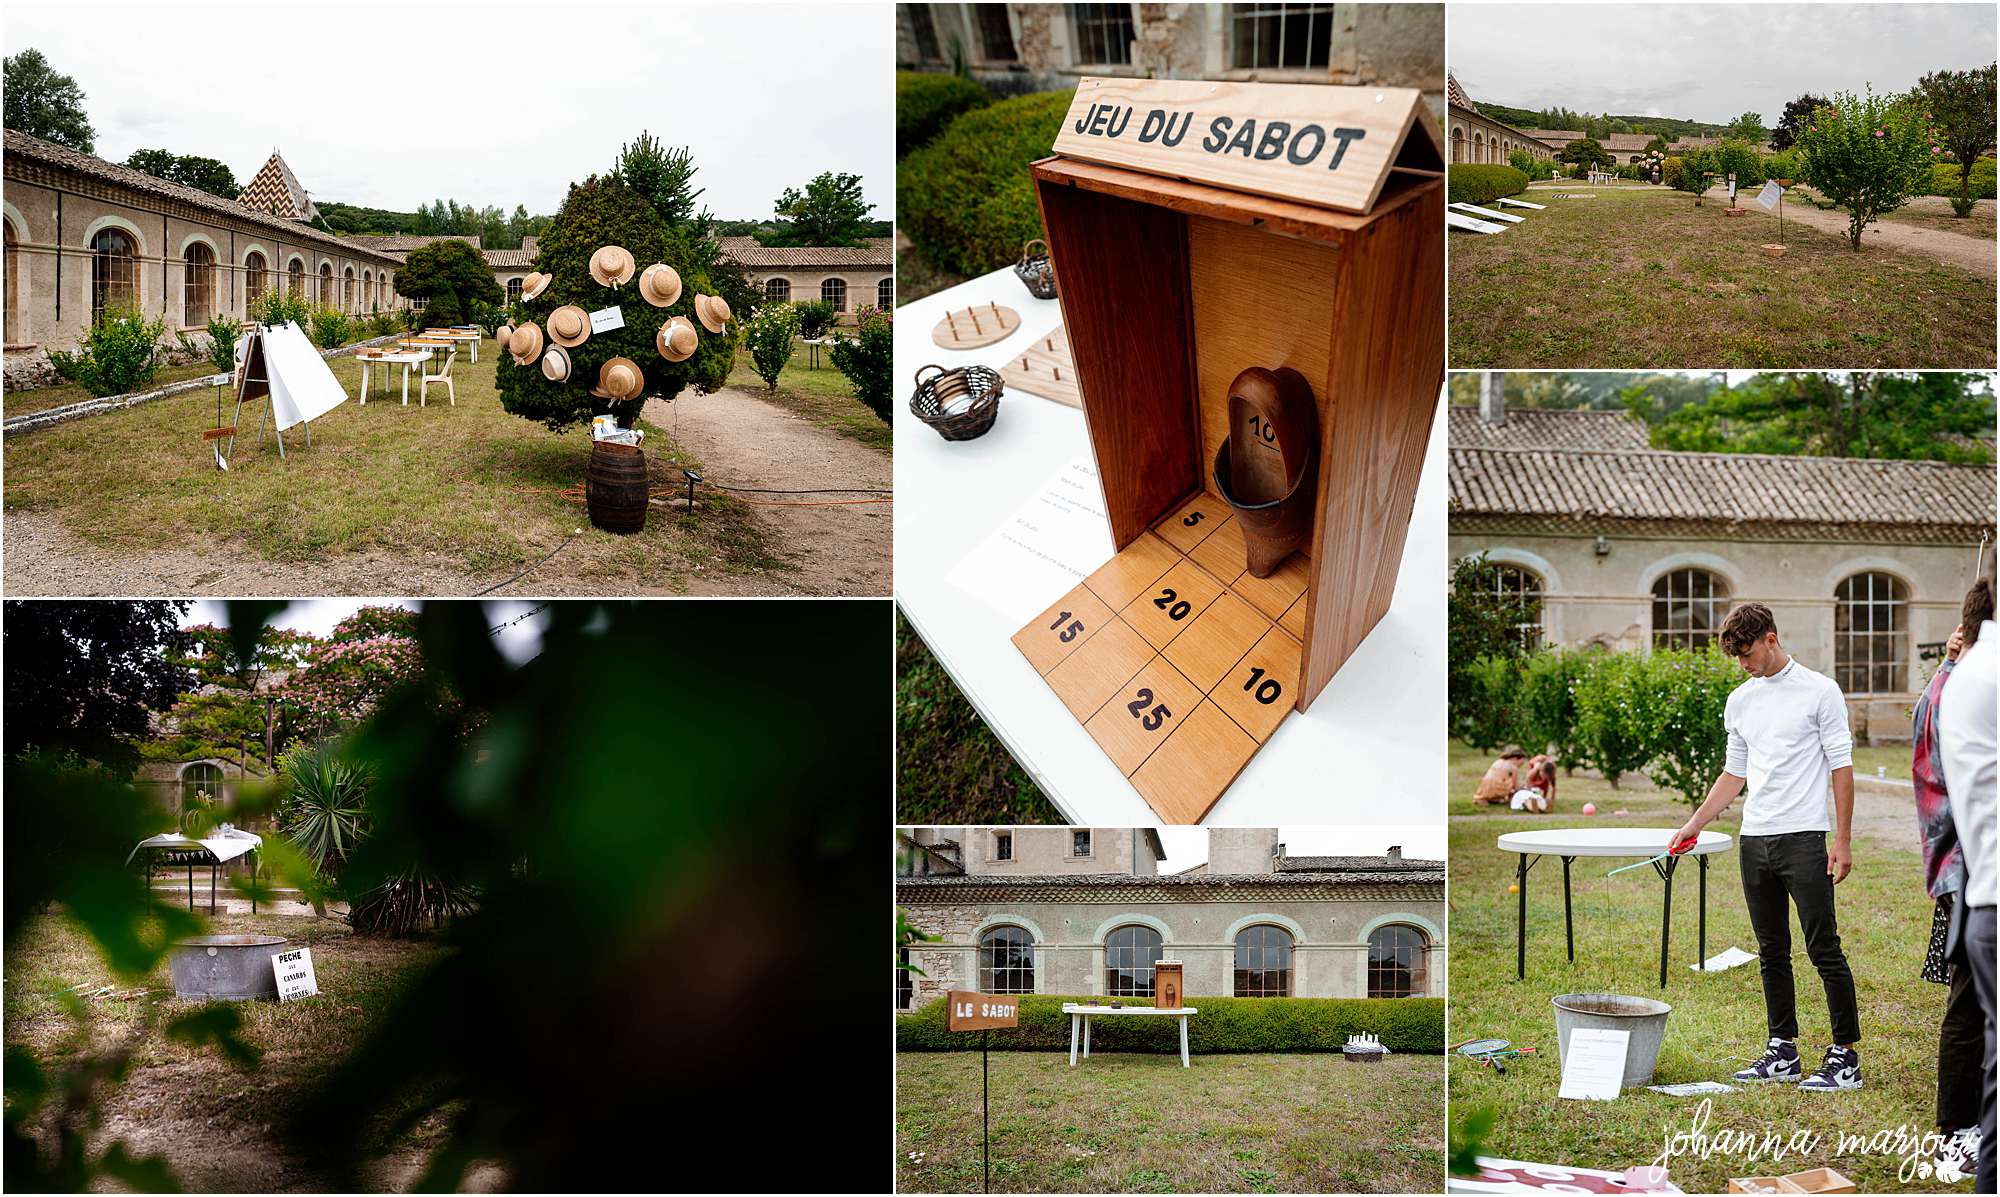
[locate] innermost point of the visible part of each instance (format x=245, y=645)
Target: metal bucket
x=233, y=968
x=1644, y=1018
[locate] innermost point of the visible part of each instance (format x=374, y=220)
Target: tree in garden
x=1796, y=116
x=1692, y=172
x=1931, y=416
x=450, y=275
x=868, y=359
x=323, y=814
x=1585, y=151
x=830, y=211
x=665, y=177
x=229, y=707
x=85, y=678
x=769, y=334
x=1680, y=697
x=1962, y=104
x=1546, y=690
x=42, y=103
x=1610, y=739
x=189, y=170
x=1734, y=157
x=1868, y=154
x=599, y=212
x=1748, y=127
x=1482, y=621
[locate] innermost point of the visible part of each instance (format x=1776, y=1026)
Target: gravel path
x=1975, y=254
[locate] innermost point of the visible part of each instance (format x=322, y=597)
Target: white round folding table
x=1572, y=842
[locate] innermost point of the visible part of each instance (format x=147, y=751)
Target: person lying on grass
x=1789, y=740
x=1502, y=778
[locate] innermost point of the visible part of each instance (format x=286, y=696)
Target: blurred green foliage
x=967, y=199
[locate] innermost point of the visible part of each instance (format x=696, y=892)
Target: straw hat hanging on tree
x=601, y=212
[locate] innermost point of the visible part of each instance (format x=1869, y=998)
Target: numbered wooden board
x=1175, y=659
x=1045, y=369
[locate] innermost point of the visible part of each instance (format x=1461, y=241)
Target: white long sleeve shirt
x=1966, y=734
x=1787, y=734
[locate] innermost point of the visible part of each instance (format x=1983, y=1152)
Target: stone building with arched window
x=1864, y=563
x=848, y=277
x=1475, y=137
x=1079, y=911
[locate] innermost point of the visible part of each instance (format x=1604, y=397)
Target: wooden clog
x=1266, y=467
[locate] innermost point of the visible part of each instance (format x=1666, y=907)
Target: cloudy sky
x=536, y=96
x=1188, y=846
x=1705, y=62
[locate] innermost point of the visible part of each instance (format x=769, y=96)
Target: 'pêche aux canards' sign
x=1315, y=143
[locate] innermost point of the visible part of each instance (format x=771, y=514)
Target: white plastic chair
x=442, y=376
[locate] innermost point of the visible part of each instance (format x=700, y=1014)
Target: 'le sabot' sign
x=970, y=1011
x=1315, y=143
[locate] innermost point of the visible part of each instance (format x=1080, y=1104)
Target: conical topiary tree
x=600, y=212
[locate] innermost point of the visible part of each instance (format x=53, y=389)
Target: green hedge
x=1944, y=178
x=1225, y=1024
x=926, y=103
x=1474, y=183
x=966, y=199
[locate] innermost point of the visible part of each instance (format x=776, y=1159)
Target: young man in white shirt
x=1789, y=740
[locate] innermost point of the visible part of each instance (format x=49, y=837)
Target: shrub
x=323, y=813
x=815, y=317
x=1548, y=683
x=1481, y=618
x=1610, y=735
x=966, y=199
x=1739, y=157
x=1529, y=165
x=1782, y=165
x=1944, y=179
x=1476, y=183
x=223, y=332
x=1492, y=711
x=1867, y=154
x=769, y=334
x=121, y=352
x=1690, y=172
x=329, y=327
x=1225, y=1024
x=1681, y=696
x=868, y=359
x=450, y=275
x=1672, y=171
x=926, y=103
x=486, y=315
x=277, y=307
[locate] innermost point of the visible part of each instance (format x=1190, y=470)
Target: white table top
x=419, y=355
x=1080, y=1008
x=224, y=843
x=1386, y=703
x=1607, y=841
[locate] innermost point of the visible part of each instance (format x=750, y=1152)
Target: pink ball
x=1590, y=808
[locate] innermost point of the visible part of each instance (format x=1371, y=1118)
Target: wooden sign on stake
x=969, y=1010
x=1327, y=145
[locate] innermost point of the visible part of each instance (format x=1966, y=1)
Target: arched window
x=885, y=293
x=295, y=278
x=13, y=314
x=1688, y=606
x=1871, y=634
x=1129, y=956
x=778, y=290
x=368, y=289
x=1524, y=585
x=1006, y=961
x=1479, y=147
x=1396, y=962
x=253, y=279
x=114, y=270
x=514, y=290
x=1263, y=962
x=347, y=290
x=1458, y=145
x=198, y=284
x=326, y=283
x=200, y=780
x=834, y=291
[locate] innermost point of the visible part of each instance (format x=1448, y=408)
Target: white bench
x=1488, y=213
x=1458, y=220
x=1082, y=1014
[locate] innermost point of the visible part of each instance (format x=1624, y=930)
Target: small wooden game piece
x=1273, y=594
x=1052, y=636
x=970, y=328
x=1184, y=776
x=1258, y=692
x=1219, y=638
x=1094, y=673
x=1140, y=717
x=1131, y=570
x=1169, y=606
x=1193, y=521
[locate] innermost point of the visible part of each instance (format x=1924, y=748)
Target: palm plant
x=324, y=813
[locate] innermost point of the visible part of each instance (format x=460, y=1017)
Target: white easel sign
x=294, y=970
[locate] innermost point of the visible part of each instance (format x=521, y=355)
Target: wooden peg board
x=972, y=327
x=1175, y=659
x=1045, y=370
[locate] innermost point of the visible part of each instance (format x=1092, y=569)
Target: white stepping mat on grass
x=1511, y=202
x=1458, y=220
x=1489, y=213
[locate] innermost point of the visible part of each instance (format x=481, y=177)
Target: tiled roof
x=1555, y=134
x=1732, y=488
x=745, y=251
x=1348, y=885
x=1536, y=428
x=405, y=242
x=20, y=147
x=1352, y=864
x=1455, y=96
x=510, y=259
x=275, y=189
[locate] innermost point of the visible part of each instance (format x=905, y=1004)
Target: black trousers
x=1780, y=872
x=1961, y=1046
x=1979, y=949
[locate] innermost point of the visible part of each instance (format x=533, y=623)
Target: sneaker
x=1840, y=1070
x=1780, y=1062
x=1959, y=1157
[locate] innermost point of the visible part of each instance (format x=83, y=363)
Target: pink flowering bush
x=1868, y=154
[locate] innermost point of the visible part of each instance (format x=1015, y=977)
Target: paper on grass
x=1721, y=960
x=1594, y=1064
x=1693, y=1088
x=1043, y=550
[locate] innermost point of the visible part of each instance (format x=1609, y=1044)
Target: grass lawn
x=21, y=403
x=950, y=767
x=1717, y=1022
x=1641, y=278
x=822, y=396
x=1306, y=1123
x=468, y=487
x=210, y=1118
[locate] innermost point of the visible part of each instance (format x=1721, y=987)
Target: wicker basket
x=1036, y=272
x=961, y=404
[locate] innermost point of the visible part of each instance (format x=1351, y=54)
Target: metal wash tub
x=233, y=968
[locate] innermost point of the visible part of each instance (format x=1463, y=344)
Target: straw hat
x=569, y=326
x=612, y=266
x=535, y=284
x=619, y=379
x=502, y=333
x=677, y=339
x=555, y=365
x=526, y=343
x=712, y=311
x=660, y=284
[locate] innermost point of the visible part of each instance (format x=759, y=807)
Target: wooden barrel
x=616, y=489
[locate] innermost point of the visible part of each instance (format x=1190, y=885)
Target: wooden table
x=462, y=336
x=404, y=358
x=1081, y=1014
x=1572, y=842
